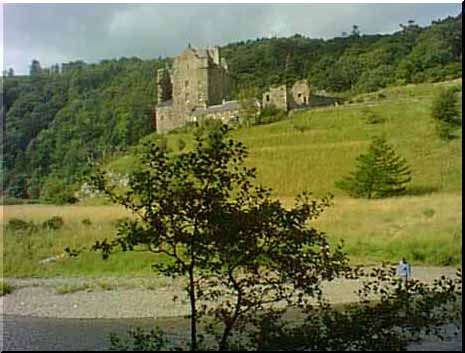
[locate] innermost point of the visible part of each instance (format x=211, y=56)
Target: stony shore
x=136, y=297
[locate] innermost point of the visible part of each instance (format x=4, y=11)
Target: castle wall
x=227, y=117
x=276, y=96
x=229, y=112
x=168, y=118
x=198, y=81
x=190, y=77
x=299, y=94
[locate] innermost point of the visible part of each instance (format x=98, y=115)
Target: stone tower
x=197, y=85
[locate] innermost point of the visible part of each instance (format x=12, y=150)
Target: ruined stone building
x=285, y=98
x=197, y=86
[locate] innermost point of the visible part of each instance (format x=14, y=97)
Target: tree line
x=353, y=61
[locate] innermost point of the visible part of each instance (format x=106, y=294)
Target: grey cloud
x=91, y=32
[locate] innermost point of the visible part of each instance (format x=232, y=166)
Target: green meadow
x=309, y=151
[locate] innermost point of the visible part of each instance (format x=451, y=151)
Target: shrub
x=16, y=224
x=269, y=114
x=54, y=223
x=86, y=222
x=5, y=288
x=181, y=144
x=58, y=191
x=445, y=112
x=429, y=212
x=372, y=118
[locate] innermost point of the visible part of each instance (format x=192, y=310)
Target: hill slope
x=314, y=148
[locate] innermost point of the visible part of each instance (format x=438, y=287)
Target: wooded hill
x=58, y=120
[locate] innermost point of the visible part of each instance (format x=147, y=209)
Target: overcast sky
x=56, y=33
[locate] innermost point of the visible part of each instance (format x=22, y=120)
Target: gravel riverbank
x=135, y=297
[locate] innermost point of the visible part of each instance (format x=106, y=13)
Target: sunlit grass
x=425, y=226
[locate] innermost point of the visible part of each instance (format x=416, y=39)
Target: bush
x=53, y=223
x=445, y=112
x=58, y=191
x=181, y=144
x=372, y=118
x=86, y=222
x=5, y=288
x=16, y=224
x=268, y=115
x=429, y=212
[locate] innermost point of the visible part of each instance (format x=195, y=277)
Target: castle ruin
x=285, y=98
x=199, y=86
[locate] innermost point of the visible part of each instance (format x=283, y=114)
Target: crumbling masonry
x=198, y=86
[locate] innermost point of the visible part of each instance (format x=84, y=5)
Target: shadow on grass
x=421, y=190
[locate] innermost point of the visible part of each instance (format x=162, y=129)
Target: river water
x=34, y=333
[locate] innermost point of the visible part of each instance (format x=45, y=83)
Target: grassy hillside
x=312, y=149
x=309, y=151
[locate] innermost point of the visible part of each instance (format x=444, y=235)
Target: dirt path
x=129, y=297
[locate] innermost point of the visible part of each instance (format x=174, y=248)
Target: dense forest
x=56, y=121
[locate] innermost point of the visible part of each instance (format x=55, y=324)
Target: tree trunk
x=193, y=310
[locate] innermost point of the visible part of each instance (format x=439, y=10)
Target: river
x=49, y=334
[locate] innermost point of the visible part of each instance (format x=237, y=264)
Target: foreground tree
x=380, y=173
x=233, y=242
x=248, y=261
x=445, y=112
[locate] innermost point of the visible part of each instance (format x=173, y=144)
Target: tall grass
x=425, y=229
x=386, y=230
x=24, y=250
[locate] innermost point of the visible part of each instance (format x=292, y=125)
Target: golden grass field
x=426, y=229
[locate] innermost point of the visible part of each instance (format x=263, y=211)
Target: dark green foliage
x=181, y=144
x=5, y=288
x=200, y=209
x=35, y=68
x=380, y=173
x=54, y=223
x=16, y=224
x=56, y=123
x=429, y=212
x=141, y=340
x=372, y=118
x=86, y=222
x=445, y=112
x=269, y=115
x=401, y=315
